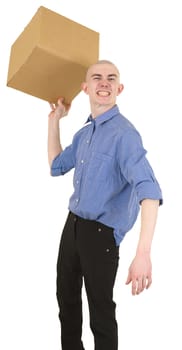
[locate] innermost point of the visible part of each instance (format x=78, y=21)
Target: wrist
x=143, y=250
x=53, y=122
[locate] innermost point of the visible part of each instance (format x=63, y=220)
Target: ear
x=120, y=88
x=84, y=87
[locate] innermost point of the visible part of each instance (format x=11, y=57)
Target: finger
x=63, y=105
x=66, y=109
x=52, y=106
x=144, y=282
x=139, y=285
x=134, y=287
x=149, y=282
x=68, y=106
x=60, y=101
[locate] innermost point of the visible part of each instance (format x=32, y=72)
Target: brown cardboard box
x=51, y=56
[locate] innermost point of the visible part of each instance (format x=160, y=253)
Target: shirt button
x=77, y=182
x=82, y=161
x=87, y=141
x=77, y=200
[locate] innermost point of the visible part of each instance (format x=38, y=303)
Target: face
x=102, y=84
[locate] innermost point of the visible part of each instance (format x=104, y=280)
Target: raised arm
x=58, y=111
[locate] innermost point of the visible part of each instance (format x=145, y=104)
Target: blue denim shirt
x=112, y=174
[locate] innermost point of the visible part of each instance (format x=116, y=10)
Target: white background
x=144, y=39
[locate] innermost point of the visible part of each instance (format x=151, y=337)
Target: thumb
x=128, y=279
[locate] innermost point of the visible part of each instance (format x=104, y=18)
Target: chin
x=104, y=100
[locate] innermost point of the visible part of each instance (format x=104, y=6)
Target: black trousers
x=87, y=250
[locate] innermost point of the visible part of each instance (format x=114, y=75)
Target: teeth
x=103, y=93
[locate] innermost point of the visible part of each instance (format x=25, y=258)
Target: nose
x=104, y=83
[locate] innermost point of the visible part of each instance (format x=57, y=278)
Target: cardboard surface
x=51, y=56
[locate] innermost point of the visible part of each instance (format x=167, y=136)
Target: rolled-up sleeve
x=145, y=182
x=136, y=168
x=64, y=162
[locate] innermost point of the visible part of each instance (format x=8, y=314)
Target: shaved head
x=101, y=62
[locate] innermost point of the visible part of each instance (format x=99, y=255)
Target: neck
x=98, y=109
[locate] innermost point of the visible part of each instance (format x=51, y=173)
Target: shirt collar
x=105, y=116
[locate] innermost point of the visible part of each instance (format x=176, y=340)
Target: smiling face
x=103, y=86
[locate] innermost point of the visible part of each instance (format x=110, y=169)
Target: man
x=112, y=180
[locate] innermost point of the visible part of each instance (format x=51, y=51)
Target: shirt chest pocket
x=102, y=157
x=100, y=165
